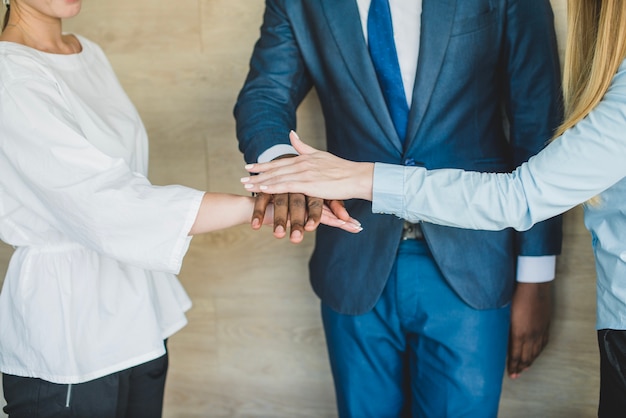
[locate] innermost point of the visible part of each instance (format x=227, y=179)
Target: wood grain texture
x=254, y=345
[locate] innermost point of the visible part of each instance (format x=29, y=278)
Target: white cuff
x=276, y=151
x=539, y=269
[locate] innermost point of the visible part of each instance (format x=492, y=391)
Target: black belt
x=412, y=231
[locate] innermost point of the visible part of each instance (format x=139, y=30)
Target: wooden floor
x=254, y=346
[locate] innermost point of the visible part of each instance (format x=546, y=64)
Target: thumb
x=300, y=146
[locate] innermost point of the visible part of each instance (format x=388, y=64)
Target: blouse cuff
x=182, y=245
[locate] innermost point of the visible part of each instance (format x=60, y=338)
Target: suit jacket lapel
x=345, y=25
x=437, y=17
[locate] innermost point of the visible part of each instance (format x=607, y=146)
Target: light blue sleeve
x=586, y=160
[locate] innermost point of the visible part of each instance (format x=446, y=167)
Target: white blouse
x=91, y=287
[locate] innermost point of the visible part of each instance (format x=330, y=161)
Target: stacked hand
x=314, y=173
x=289, y=184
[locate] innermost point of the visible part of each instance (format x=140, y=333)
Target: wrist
x=365, y=177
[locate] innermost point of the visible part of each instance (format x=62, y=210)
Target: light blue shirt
x=586, y=161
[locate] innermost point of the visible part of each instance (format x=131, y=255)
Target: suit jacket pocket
x=463, y=25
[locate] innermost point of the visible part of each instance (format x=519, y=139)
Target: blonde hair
x=596, y=46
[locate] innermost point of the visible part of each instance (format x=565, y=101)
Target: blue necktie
x=385, y=59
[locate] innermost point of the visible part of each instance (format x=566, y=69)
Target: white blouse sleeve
x=586, y=160
x=90, y=197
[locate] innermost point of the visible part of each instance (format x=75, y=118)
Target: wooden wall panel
x=254, y=346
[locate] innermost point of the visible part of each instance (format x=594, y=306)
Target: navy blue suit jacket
x=479, y=60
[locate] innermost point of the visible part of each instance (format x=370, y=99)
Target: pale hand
x=313, y=173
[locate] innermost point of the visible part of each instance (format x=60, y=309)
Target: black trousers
x=612, y=344
x=132, y=393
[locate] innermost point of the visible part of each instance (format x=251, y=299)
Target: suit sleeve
x=276, y=84
x=533, y=101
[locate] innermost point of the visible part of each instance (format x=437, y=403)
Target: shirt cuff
x=276, y=151
x=539, y=269
x=388, y=189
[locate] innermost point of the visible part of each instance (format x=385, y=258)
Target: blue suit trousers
x=421, y=351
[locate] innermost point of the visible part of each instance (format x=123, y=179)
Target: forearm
x=363, y=180
x=275, y=86
x=450, y=197
x=533, y=84
x=221, y=210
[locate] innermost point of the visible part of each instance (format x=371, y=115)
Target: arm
x=96, y=199
x=582, y=163
x=83, y=194
x=276, y=84
x=265, y=111
x=533, y=107
x=221, y=210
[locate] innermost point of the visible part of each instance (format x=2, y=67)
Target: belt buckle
x=411, y=231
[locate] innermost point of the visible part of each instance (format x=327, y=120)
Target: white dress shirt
x=91, y=287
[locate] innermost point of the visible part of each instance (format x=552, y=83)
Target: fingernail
x=296, y=234
x=248, y=186
x=244, y=179
x=248, y=166
x=256, y=223
x=263, y=187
